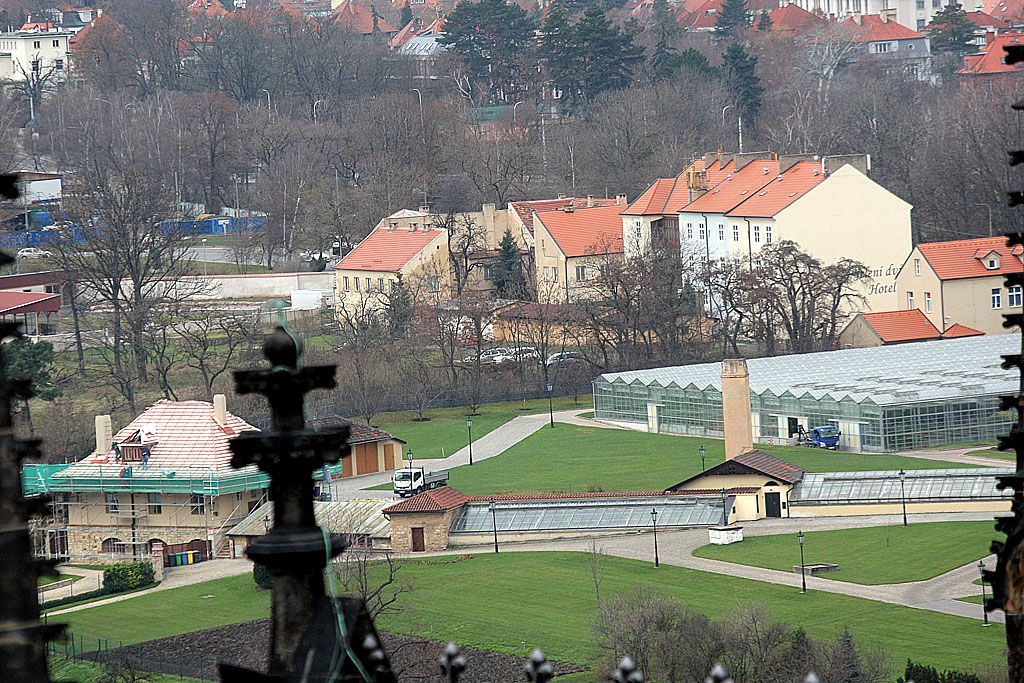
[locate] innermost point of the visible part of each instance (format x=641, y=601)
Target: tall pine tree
x=734, y=18
x=953, y=31
x=740, y=71
x=508, y=272
x=607, y=55
x=556, y=49
x=764, y=22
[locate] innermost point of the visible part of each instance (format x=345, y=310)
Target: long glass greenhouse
x=883, y=399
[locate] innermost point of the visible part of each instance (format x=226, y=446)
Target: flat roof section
x=919, y=486
x=884, y=375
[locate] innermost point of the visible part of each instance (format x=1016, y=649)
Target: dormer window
x=992, y=263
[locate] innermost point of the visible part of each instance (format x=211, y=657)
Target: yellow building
x=961, y=282
x=571, y=246
x=896, y=327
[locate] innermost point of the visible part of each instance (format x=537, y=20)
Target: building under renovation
x=164, y=484
x=882, y=399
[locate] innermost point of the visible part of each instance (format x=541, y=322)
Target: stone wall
x=435, y=529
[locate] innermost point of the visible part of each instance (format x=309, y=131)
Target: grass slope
x=575, y=458
x=876, y=555
x=515, y=601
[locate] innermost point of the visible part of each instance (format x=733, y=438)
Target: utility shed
x=359, y=521
x=882, y=399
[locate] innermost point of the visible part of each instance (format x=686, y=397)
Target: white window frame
x=917, y=266
x=1013, y=296
x=581, y=273
x=910, y=301
x=997, y=298
x=927, y=302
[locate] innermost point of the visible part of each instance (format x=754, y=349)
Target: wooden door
x=366, y=458
x=389, y=456
x=418, y=545
x=346, y=465
x=773, y=505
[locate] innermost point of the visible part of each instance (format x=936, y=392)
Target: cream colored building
x=962, y=282
x=571, y=247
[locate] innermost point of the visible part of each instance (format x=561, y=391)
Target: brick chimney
x=736, y=407
x=220, y=409
x=620, y=200
x=104, y=434
x=590, y=200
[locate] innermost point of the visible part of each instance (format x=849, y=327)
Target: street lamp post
x=984, y=611
x=551, y=410
x=702, y=468
x=654, y=523
x=903, y=494
x=315, y=104
x=408, y=456
x=514, y=113
x=469, y=426
x=803, y=570
x=494, y=524
x=204, y=257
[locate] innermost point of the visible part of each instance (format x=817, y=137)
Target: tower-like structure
x=739, y=431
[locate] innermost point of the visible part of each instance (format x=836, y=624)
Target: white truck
x=409, y=481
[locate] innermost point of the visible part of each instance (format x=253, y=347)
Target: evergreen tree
x=556, y=48
x=664, y=59
x=607, y=56
x=491, y=38
x=509, y=274
x=764, y=22
x=406, y=16
x=399, y=309
x=740, y=71
x=35, y=362
x=734, y=18
x=663, y=21
x=953, y=33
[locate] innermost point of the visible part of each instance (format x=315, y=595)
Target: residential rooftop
x=388, y=249
x=585, y=231
x=963, y=259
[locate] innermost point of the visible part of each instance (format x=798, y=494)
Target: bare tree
x=211, y=342
x=372, y=578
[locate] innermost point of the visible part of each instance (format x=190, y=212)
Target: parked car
x=488, y=355
x=564, y=359
x=519, y=354
x=33, y=252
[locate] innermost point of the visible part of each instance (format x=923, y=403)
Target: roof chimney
x=620, y=200
x=590, y=200
x=739, y=433
x=104, y=434
x=220, y=409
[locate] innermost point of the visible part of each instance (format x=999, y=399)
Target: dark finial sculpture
x=314, y=636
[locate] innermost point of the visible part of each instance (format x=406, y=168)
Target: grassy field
x=574, y=458
x=515, y=601
x=46, y=580
x=874, y=555
x=993, y=453
x=445, y=432
x=91, y=672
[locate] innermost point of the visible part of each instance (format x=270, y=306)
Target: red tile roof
x=735, y=188
x=184, y=434
x=525, y=209
x=388, y=250
x=783, y=190
x=963, y=259
x=360, y=18
x=770, y=465
x=703, y=18
x=431, y=500
x=956, y=330
x=28, y=302
x=358, y=432
x=873, y=28
x=207, y=8
x=581, y=232
x=663, y=197
x=1006, y=10
x=793, y=18
x=992, y=59
x=901, y=326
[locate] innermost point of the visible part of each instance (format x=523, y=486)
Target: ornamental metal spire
x=1007, y=579
x=23, y=637
x=314, y=636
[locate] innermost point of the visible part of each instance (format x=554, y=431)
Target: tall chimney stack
x=104, y=434
x=220, y=409
x=739, y=430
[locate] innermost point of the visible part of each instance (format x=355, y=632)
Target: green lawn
x=993, y=453
x=91, y=672
x=446, y=431
x=874, y=555
x=976, y=599
x=513, y=602
x=46, y=580
x=574, y=458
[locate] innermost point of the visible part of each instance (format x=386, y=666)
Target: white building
x=25, y=52
x=914, y=14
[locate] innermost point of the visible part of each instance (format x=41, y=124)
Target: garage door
x=389, y=456
x=366, y=458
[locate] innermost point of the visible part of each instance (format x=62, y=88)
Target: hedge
x=125, y=576
x=261, y=575
x=88, y=595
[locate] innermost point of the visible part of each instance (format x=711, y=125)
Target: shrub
x=928, y=674
x=126, y=576
x=261, y=575
x=88, y=595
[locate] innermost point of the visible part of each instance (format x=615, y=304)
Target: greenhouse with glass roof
x=883, y=399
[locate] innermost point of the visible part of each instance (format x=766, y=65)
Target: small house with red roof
x=362, y=19
x=989, y=65
x=794, y=20
x=962, y=281
x=571, y=245
x=885, y=42
x=896, y=327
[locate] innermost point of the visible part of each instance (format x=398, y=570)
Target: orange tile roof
x=387, y=250
x=992, y=59
x=961, y=259
x=360, y=18
x=901, y=326
x=793, y=18
x=657, y=199
x=185, y=435
x=703, y=18
x=735, y=188
x=207, y=8
x=525, y=209
x=581, y=232
x=782, y=191
x=27, y=302
x=957, y=330
x=871, y=29
x=1005, y=10
x=431, y=500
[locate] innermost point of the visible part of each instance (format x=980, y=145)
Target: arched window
x=111, y=546
x=771, y=483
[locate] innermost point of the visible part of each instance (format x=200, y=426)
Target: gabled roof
x=1011, y=11
x=183, y=434
x=870, y=28
x=750, y=462
x=956, y=330
x=581, y=232
x=901, y=326
x=28, y=302
x=207, y=8
x=957, y=260
x=781, y=191
x=658, y=199
x=794, y=19
x=361, y=19
x=735, y=188
x=358, y=432
x=388, y=250
x=525, y=209
x=979, y=19
x=703, y=18
x=431, y=500
x=992, y=58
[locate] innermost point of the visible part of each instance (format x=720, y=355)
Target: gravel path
x=92, y=579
